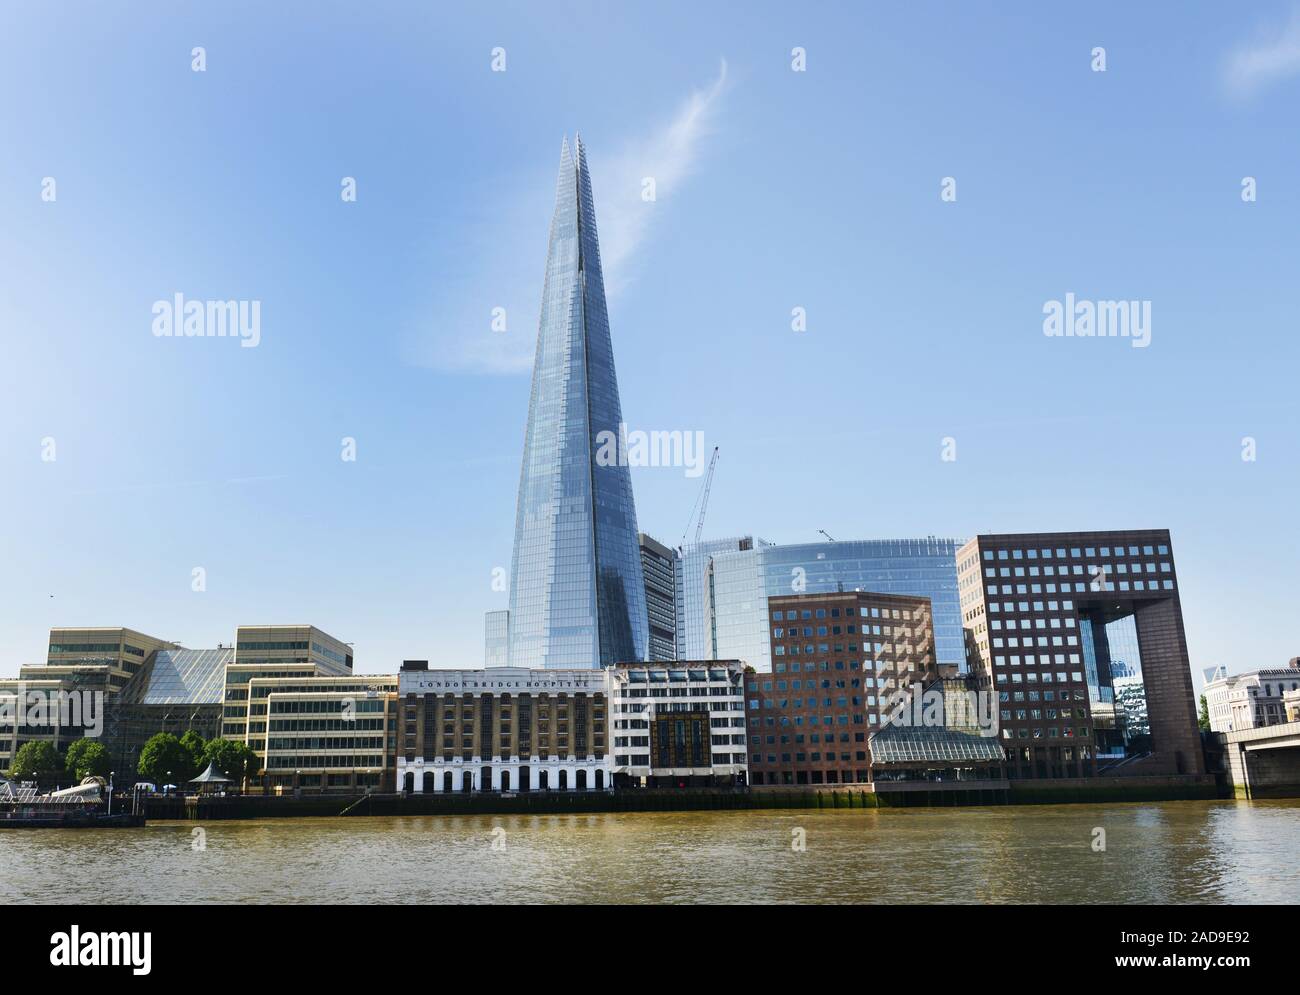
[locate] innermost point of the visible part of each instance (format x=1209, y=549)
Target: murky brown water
x=1171, y=852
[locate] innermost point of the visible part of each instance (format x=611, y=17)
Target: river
x=1168, y=852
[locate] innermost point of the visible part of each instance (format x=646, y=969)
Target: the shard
x=577, y=594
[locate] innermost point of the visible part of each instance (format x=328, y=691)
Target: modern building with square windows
x=678, y=724
x=842, y=665
x=1051, y=620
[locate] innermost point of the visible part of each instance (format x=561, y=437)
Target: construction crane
x=826, y=534
x=701, y=502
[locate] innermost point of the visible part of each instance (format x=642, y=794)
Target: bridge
x=1263, y=762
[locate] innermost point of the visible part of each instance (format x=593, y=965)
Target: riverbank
x=936, y=795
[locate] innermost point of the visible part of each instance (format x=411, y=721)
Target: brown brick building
x=839, y=662
x=1046, y=616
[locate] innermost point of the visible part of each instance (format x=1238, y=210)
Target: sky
x=130, y=460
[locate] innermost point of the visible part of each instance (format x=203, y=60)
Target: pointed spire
x=577, y=597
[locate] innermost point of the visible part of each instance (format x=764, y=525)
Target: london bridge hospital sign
x=527, y=681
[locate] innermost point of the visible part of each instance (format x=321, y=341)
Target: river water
x=1168, y=852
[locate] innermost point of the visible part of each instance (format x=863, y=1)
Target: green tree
x=1204, y=720
x=161, y=755
x=194, y=745
x=236, y=760
x=87, y=758
x=38, y=761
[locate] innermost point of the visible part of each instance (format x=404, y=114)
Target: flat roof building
x=723, y=586
x=503, y=729
x=1049, y=619
x=273, y=651
x=1250, y=700
x=659, y=566
x=324, y=733
x=843, y=665
x=678, y=724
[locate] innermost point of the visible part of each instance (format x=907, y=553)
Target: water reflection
x=1167, y=853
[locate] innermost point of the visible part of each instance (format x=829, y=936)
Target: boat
x=85, y=806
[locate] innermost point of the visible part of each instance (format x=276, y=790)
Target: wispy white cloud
x=668, y=156
x=1273, y=55
x=508, y=270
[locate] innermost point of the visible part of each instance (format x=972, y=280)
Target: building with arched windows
x=506, y=729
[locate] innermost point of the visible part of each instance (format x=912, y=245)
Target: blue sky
x=775, y=189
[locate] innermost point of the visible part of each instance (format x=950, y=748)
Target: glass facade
x=577, y=595
x=496, y=631
x=659, y=564
x=723, y=587
x=186, y=677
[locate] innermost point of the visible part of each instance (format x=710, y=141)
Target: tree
x=194, y=745
x=161, y=756
x=37, y=760
x=236, y=760
x=1204, y=720
x=87, y=758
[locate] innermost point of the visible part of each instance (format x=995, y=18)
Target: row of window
x=795, y=615
x=1075, y=552
x=1067, y=732
x=814, y=757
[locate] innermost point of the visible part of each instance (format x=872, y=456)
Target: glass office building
x=496, y=642
x=723, y=587
x=577, y=595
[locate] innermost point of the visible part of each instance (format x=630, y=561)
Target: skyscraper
x=1046, y=614
x=660, y=565
x=577, y=595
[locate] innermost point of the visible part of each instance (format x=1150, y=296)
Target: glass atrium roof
x=187, y=677
x=913, y=744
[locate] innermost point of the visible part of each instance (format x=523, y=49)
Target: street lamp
x=111, y=773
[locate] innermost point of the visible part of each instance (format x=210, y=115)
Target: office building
x=1045, y=616
x=324, y=733
x=577, y=595
x=678, y=724
x=1251, y=700
x=658, y=565
x=723, y=587
x=97, y=683
x=844, y=665
x=177, y=690
x=506, y=729
x=277, y=651
x=496, y=639
x=120, y=651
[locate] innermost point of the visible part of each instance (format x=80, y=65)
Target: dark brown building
x=1051, y=619
x=839, y=663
